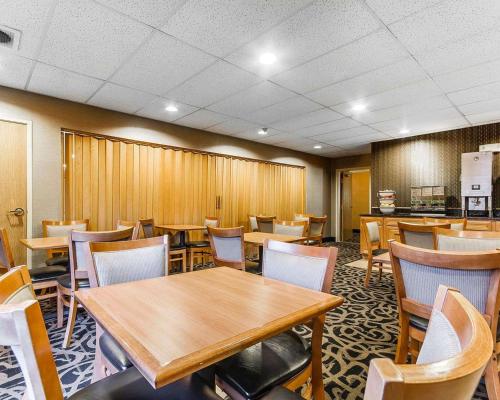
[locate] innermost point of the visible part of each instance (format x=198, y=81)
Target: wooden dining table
x=45, y=243
x=182, y=229
x=173, y=326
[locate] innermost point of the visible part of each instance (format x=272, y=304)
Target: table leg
x=182, y=238
x=317, y=355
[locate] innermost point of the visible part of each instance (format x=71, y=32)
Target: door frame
x=338, y=173
x=29, y=177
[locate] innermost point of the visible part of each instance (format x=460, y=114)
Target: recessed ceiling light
x=359, y=107
x=404, y=131
x=318, y=146
x=262, y=131
x=267, y=58
x=171, y=108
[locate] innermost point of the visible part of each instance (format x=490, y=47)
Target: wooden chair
x=455, y=352
x=110, y=263
x=453, y=240
x=459, y=224
x=252, y=223
x=54, y=228
x=124, y=224
x=291, y=228
x=419, y=235
x=198, y=249
x=419, y=272
x=376, y=254
x=316, y=230
x=228, y=248
x=78, y=276
x=176, y=252
x=302, y=217
x=44, y=278
x=284, y=359
x=265, y=224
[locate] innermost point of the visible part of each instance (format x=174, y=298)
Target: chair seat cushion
x=65, y=281
x=130, y=385
x=252, y=266
x=379, y=252
x=47, y=273
x=174, y=246
x=58, y=260
x=280, y=393
x=114, y=352
x=257, y=369
x=201, y=243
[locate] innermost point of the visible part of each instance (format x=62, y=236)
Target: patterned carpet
x=365, y=327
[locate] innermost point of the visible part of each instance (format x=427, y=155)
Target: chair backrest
x=458, y=224
x=453, y=240
x=124, y=224
x=213, y=222
x=372, y=236
x=54, y=228
x=291, y=228
x=419, y=272
x=22, y=328
x=148, y=227
x=6, y=257
x=265, y=224
x=227, y=246
x=77, y=257
x=306, y=266
x=252, y=223
x=457, y=347
x=302, y=217
x=317, y=226
x=125, y=261
x=419, y=235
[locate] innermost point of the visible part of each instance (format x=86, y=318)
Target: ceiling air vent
x=9, y=37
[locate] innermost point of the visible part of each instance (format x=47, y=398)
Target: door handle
x=18, y=212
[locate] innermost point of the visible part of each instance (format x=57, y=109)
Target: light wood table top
x=175, y=325
x=46, y=243
x=259, y=237
x=181, y=227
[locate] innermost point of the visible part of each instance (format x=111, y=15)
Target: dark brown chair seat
x=200, y=243
x=58, y=260
x=114, y=353
x=47, y=273
x=131, y=385
x=256, y=370
x=379, y=252
x=281, y=393
x=65, y=281
x=176, y=246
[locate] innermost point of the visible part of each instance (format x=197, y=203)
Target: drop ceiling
x=417, y=66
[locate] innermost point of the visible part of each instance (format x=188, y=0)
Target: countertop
x=421, y=215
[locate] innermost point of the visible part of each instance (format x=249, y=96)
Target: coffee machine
x=476, y=184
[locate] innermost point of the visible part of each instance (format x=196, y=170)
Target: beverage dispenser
x=476, y=183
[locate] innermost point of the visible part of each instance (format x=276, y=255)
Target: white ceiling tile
x=382, y=79
x=299, y=144
x=402, y=95
x=151, y=12
x=261, y=95
x=359, y=131
x=338, y=125
x=220, y=26
x=326, y=150
x=306, y=120
x=156, y=110
x=14, y=71
x=354, y=141
x=201, y=119
x=479, y=93
x=283, y=110
x=445, y=22
x=368, y=53
x=480, y=107
x=56, y=82
x=88, y=38
x=401, y=111
x=275, y=139
x=252, y=134
x=119, y=98
x=464, y=53
x=470, y=77
x=234, y=126
x=29, y=17
x=483, y=118
x=392, y=10
x=212, y=84
x=161, y=64
x=315, y=30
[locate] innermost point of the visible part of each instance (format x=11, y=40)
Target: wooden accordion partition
x=107, y=178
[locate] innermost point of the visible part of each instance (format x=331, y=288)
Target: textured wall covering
x=432, y=159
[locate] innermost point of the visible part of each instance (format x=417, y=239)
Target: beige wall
x=49, y=115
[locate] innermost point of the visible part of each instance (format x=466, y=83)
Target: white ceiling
x=421, y=65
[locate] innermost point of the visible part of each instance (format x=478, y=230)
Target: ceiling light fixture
x=262, y=131
x=359, y=107
x=171, y=108
x=404, y=131
x=267, y=58
x=318, y=146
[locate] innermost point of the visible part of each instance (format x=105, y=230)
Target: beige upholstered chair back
x=212, y=222
x=62, y=230
x=372, y=232
x=419, y=235
x=228, y=248
x=291, y=228
x=148, y=227
x=452, y=240
x=252, y=221
x=265, y=224
x=120, y=262
x=301, y=217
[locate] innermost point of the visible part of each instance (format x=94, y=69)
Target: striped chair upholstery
x=253, y=223
x=316, y=228
x=62, y=230
x=300, y=217
x=450, y=243
x=423, y=240
x=228, y=248
x=289, y=230
x=373, y=231
x=21, y=294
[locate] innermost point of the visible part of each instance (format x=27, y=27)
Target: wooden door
x=223, y=191
x=346, y=205
x=13, y=186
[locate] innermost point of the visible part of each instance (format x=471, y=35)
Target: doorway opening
x=354, y=196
